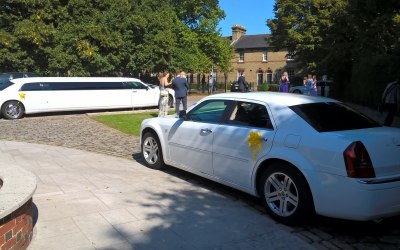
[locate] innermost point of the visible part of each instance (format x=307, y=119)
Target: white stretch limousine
x=53, y=94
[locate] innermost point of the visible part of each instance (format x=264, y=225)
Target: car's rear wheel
x=152, y=152
x=12, y=110
x=285, y=194
x=296, y=91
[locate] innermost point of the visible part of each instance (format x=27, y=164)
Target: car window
x=32, y=86
x=250, y=114
x=134, y=85
x=209, y=111
x=333, y=116
x=5, y=84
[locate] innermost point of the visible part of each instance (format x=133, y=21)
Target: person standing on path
x=163, y=107
x=391, y=101
x=181, y=88
x=242, y=83
x=309, y=85
x=210, y=84
x=284, y=83
x=314, y=90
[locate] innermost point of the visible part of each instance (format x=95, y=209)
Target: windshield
x=333, y=116
x=4, y=83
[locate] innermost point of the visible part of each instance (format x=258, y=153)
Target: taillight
x=357, y=160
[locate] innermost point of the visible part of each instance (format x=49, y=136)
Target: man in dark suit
x=181, y=88
x=242, y=83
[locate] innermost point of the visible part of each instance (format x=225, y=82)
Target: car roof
x=278, y=98
x=73, y=79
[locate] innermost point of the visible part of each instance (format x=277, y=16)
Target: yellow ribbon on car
x=21, y=96
x=255, y=144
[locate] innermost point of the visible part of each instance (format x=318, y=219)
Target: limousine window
x=59, y=86
x=134, y=85
x=33, y=86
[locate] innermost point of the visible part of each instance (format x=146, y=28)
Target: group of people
x=310, y=84
x=181, y=87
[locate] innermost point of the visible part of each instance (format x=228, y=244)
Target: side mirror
x=182, y=114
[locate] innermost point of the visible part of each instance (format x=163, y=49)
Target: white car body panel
x=318, y=155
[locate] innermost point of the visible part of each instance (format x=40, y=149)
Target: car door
x=239, y=142
x=34, y=96
x=142, y=95
x=190, y=141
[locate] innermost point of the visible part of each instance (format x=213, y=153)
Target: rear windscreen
x=333, y=116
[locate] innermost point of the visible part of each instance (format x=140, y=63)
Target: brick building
x=256, y=59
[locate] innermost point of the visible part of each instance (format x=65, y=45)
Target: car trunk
x=383, y=146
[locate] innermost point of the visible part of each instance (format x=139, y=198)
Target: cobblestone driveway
x=79, y=131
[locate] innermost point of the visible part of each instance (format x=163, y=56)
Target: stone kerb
x=16, y=191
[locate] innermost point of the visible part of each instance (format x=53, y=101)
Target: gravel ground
x=81, y=132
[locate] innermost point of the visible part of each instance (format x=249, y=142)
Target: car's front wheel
x=12, y=110
x=296, y=91
x=152, y=152
x=285, y=194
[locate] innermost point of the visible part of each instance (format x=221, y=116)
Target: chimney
x=238, y=31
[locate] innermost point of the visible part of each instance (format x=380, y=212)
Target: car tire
x=152, y=152
x=170, y=101
x=286, y=194
x=296, y=91
x=12, y=110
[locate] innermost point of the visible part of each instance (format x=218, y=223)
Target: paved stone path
x=81, y=132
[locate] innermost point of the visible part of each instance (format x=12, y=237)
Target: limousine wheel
x=12, y=110
x=152, y=152
x=285, y=194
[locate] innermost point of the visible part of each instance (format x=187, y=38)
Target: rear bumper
x=355, y=199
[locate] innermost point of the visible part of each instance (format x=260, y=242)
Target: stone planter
x=17, y=187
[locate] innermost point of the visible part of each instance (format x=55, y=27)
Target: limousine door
x=34, y=98
x=142, y=95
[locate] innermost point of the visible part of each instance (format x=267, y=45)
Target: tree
x=335, y=36
x=110, y=37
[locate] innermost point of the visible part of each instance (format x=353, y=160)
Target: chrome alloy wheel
x=150, y=150
x=13, y=110
x=281, y=194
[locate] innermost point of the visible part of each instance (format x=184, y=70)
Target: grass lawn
x=126, y=123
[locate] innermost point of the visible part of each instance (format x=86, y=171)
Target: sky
x=252, y=14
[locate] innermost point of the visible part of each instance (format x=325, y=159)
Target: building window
x=290, y=55
x=241, y=56
x=260, y=78
x=269, y=77
x=264, y=58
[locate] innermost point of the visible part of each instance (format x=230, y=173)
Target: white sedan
x=299, y=154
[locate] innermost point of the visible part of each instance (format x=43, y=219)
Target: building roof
x=252, y=42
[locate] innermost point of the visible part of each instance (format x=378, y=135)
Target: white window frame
x=290, y=56
x=241, y=56
x=265, y=56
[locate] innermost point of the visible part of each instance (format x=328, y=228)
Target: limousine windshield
x=54, y=94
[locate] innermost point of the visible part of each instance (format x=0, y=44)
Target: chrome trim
x=380, y=181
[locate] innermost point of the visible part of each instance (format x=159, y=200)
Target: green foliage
x=338, y=38
x=110, y=37
x=263, y=87
x=368, y=88
x=274, y=87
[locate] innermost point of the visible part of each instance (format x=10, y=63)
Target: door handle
x=205, y=131
x=265, y=139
